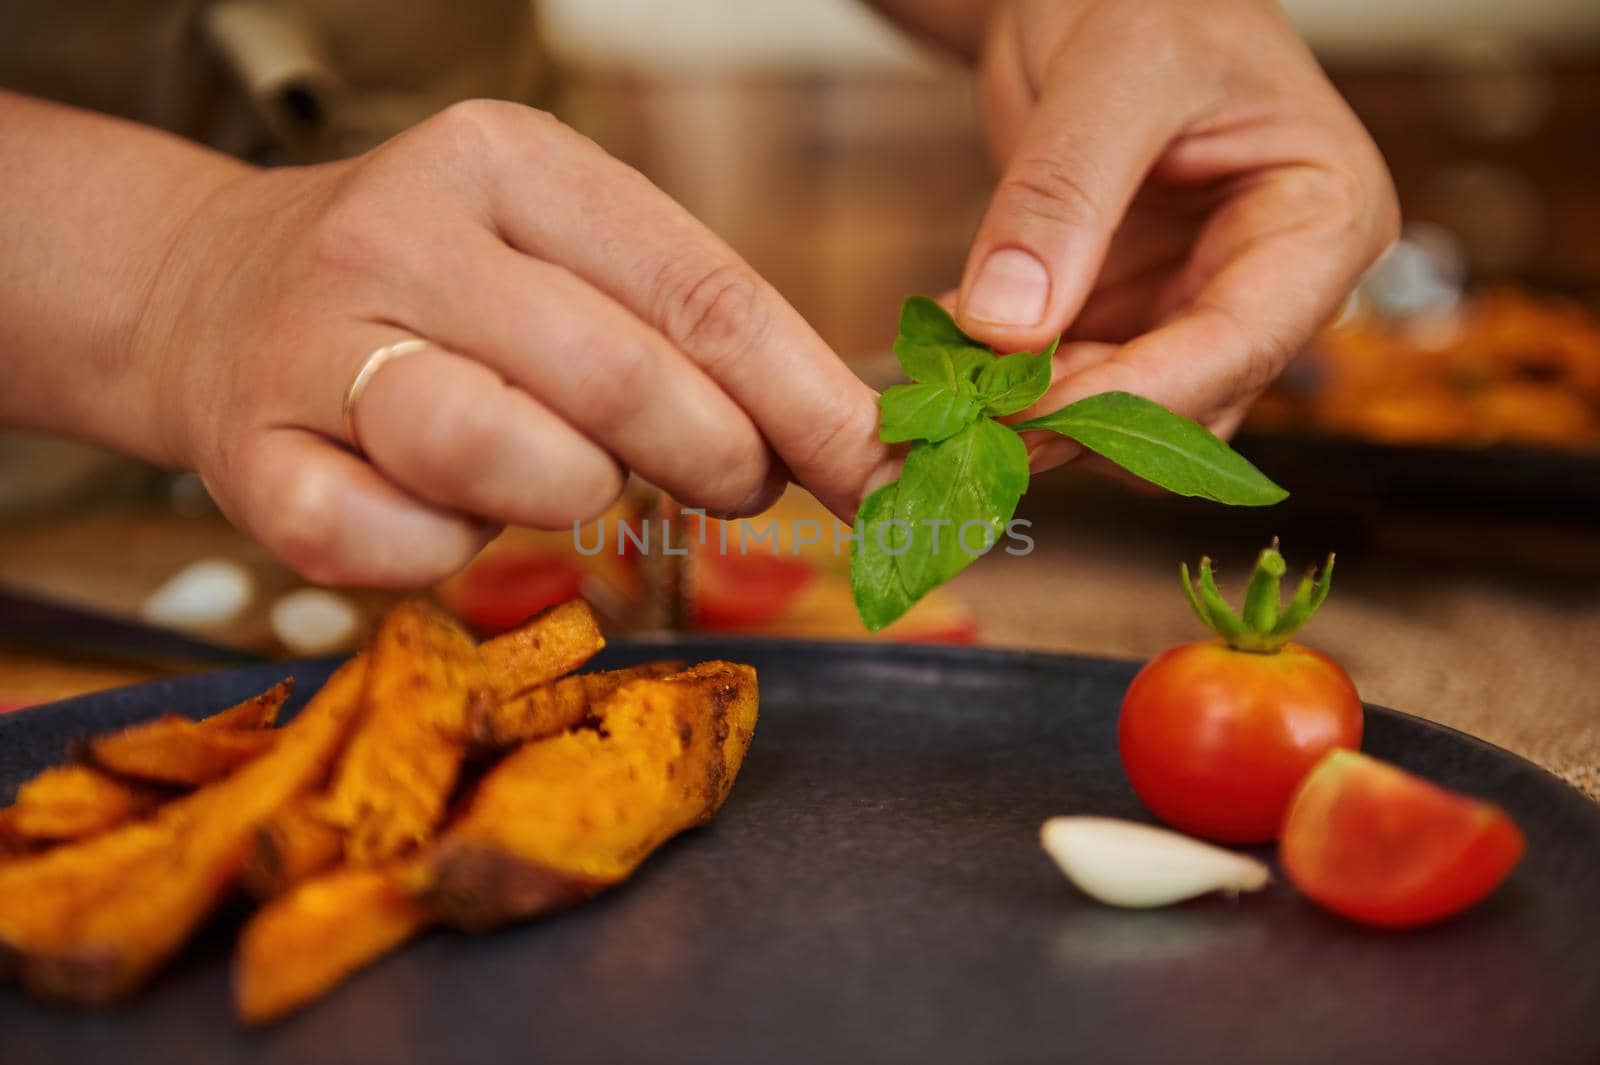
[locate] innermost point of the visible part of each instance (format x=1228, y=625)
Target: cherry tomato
x=502, y=590
x=733, y=591
x=1215, y=740
x=1216, y=736
x=1380, y=846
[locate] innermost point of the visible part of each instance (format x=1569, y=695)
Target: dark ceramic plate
x=874, y=891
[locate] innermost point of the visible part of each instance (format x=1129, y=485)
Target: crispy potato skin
x=177, y=751
x=394, y=779
x=551, y=644
x=40, y=894
x=554, y=707
x=565, y=817
x=73, y=802
x=87, y=923
x=258, y=711
x=292, y=845
x=311, y=938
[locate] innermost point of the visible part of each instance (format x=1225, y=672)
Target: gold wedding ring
x=369, y=367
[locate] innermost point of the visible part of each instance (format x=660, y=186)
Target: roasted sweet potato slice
x=394, y=778
x=565, y=817
x=554, y=707
x=87, y=922
x=177, y=750
x=312, y=937
x=551, y=644
x=292, y=845
x=41, y=893
x=71, y=802
x=258, y=711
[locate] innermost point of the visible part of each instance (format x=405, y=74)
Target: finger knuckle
x=1387, y=222
x=1261, y=359
x=618, y=382
x=715, y=316
x=588, y=490
x=1343, y=195
x=469, y=132
x=737, y=467
x=1048, y=188
x=836, y=444
x=304, y=527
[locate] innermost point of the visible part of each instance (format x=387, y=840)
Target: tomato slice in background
x=732, y=591
x=1378, y=845
x=503, y=589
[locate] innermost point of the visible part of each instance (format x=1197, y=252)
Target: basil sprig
x=965, y=471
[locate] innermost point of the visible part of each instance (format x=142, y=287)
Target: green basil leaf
x=1011, y=383
x=880, y=595
x=1167, y=449
x=924, y=412
x=974, y=478
x=932, y=349
x=926, y=321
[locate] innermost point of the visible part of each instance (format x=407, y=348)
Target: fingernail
x=763, y=498
x=1012, y=289
x=758, y=502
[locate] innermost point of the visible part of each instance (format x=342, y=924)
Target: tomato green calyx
x=1264, y=625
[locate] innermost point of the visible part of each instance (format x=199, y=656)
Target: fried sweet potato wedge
x=311, y=938
x=258, y=711
x=551, y=644
x=292, y=845
x=40, y=893
x=565, y=817
x=392, y=783
x=86, y=923
x=72, y=802
x=177, y=750
x=554, y=707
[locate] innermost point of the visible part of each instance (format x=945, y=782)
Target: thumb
x=1084, y=151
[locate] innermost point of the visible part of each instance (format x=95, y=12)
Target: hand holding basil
x=966, y=472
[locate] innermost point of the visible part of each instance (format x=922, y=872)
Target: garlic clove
x=1124, y=863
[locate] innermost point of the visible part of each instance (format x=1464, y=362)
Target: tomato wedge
x=503, y=589
x=733, y=592
x=1380, y=846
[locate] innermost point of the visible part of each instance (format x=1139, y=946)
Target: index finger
x=1272, y=268
x=626, y=237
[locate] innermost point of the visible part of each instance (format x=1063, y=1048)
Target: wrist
x=155, y=359
x=87, y=223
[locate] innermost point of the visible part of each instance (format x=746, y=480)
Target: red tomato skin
x=1381, y=847
x=1215, y=740
x=500, y=591
x=736, y=592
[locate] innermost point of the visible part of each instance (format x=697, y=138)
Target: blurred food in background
x=785, y=573
x=1508, y=366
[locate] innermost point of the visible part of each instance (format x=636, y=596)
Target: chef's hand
x=1183, y=195
x=582, y=324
